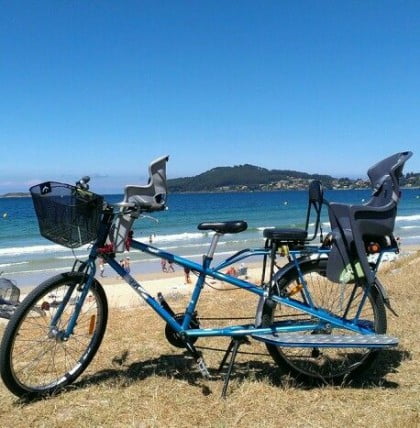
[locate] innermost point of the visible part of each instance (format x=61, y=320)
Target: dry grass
x=138, y=379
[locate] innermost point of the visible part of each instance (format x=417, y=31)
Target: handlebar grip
x=83, y=182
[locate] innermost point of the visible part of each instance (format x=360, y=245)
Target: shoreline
x=218, y=190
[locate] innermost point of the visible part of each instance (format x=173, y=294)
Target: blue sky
x=103, y=87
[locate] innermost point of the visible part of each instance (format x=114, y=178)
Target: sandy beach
x=121, y=295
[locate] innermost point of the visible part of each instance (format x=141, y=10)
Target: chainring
x=174, y=338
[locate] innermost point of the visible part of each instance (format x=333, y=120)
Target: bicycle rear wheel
x=36, y=361
x=331, y=365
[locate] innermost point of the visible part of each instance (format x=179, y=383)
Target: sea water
x=28, y=258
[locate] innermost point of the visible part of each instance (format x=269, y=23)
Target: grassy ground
x=138, y=379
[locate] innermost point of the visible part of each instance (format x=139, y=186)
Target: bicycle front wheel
x=331, y=365
x=36, y=360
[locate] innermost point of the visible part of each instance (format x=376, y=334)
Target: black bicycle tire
x=285, y=363
x=7, y=371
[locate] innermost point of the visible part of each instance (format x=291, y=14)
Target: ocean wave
x=4, y=265
x=55, y=248
x=324, y=224
x=284, y=226
x=69, y=257
x=188, y=245
x=173, y=241
x=217, y=254
x=413, y=217
x=35, y=271
x=34, y=249
x=413, y=238
x=186, y=236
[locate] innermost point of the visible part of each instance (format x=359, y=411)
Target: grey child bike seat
x=353, y=226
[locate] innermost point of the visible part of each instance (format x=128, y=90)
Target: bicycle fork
x=84, y=287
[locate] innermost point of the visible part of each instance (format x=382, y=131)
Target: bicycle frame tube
x=322, y=318
x=242, y=255
x=201, y=268
x=162, y=312
x=204, y=270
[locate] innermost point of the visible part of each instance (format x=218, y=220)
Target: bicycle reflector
x=92, y=323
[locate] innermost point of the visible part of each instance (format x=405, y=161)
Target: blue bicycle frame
x=321, y=317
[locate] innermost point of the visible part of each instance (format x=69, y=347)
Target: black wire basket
x=67, y=215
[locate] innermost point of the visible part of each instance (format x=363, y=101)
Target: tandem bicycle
x=321, y=315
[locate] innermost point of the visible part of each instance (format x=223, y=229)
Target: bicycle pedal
x=203, y=368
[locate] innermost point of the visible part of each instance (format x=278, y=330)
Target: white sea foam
x=169, y=241
x=55, y=248
x=414, y=238
x=414, y=217
x=70, y=257
x=34, y=249
x=173, y=237
x=217, y=254
x=174, y=248
x=39, y=249
x=35, y=271
x=4, y=265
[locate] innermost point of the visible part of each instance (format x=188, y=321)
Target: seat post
x=213, y=245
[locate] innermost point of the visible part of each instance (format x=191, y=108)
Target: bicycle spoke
x=339, y=301
x=38, y=358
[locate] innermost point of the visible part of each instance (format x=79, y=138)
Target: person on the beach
x=187, y=275
x=242, y=271
x=231, y=271
x=101, y=266
x=171, y=266
x=121, y=264
x=163, y=265
x=127, y=265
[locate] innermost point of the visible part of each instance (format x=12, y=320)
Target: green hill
x=245, y=177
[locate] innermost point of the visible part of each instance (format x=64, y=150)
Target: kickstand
x=233, y=347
